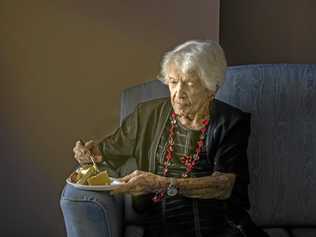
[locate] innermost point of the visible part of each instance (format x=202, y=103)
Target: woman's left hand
x=139, y=182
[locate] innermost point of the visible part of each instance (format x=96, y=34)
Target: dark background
x=63, y=65
x=280, y=31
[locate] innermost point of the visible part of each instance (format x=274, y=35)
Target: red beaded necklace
x=188, y=160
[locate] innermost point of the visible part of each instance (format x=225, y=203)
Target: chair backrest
x=282, y=144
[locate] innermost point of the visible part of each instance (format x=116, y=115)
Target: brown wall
x=63, y=65
x=255, y=31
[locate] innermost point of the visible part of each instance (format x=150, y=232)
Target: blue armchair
x=281, y=153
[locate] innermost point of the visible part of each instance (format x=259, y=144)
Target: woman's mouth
x=182, y=102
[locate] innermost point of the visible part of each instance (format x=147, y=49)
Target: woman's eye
x=172, y=81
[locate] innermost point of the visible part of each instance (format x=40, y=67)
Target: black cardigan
x=227, y=141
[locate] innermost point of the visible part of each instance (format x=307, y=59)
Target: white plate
x=113, y=185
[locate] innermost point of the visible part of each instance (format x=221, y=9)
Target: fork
x=91, y=158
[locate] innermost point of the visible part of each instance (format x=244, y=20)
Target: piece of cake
x=86, y=174
x=101, y=178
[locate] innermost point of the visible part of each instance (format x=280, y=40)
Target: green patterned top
x=185, y=144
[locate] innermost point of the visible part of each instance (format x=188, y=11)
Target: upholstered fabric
x=277, y=232
x=132, y=96
x=282, y=145
x=303, y=232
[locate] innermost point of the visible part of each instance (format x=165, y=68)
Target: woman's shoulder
x=230, y=122
x=228, y=111
x=152, y=105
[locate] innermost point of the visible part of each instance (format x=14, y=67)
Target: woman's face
x=188, y=95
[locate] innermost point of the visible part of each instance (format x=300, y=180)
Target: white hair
x=206, y=58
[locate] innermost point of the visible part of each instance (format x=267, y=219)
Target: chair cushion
x=282, y=144
x=303, y=232
x=277, y=232
x=134, y=231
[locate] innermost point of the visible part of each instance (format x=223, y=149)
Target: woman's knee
x=103, y=198
x=91, y=213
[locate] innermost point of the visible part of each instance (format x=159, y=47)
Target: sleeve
x=231, y=155
x=119, y=146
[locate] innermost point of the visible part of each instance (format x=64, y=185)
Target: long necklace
x=188, y=160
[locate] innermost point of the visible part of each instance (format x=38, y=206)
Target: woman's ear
x=211, y=95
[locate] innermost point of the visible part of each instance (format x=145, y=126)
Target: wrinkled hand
x=139, y=182
x=81, y=152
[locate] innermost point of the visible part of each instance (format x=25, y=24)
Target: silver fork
x=91, y=158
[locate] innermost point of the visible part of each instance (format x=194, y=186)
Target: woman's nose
x=180, y=88
x=181, y=91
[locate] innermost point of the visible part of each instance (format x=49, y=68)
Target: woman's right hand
x=83, y=151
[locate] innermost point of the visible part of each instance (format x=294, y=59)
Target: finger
x=82, y=161
x=120, y=189
x=134, y=180
x=78, y=146
x=131, y=186
x=128, y=177
x=78, y=154
x=79, y=143
x=138, y=193
x=134, y=185
x=135, y=173
x=89, y=144
x=82, y=147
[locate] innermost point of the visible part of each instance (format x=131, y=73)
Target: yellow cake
x=101, y=178
x=85, y=174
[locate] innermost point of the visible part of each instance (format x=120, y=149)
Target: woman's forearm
x=218, y=185
x=206, y=193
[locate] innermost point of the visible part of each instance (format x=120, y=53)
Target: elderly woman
x=191, y=151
